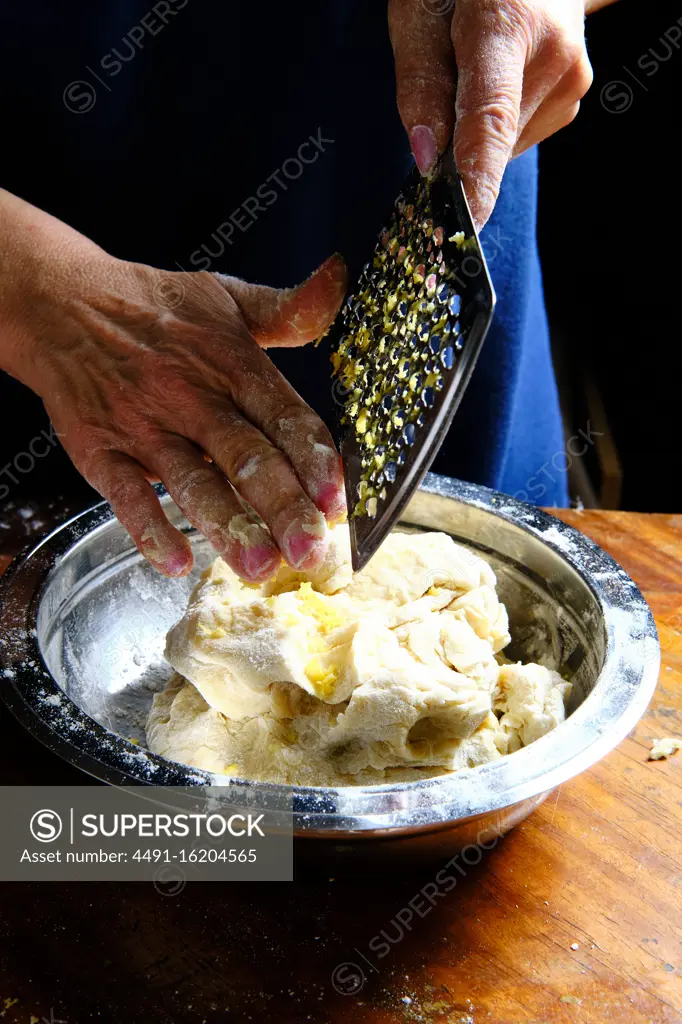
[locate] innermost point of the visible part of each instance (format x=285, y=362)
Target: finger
x=264, y=477
x=491, y=58
x=545, y=123
x=559, y=107
x=270, y=403
x=303, y=437
x=425, y=75
x=121, y=480
x=210, y=504
x=291, y=316
x=538, y=84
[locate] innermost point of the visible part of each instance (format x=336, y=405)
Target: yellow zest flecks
x=210, y=632
x=463, y=244
x=400, y=332
x=327, y=616
x=323, y=676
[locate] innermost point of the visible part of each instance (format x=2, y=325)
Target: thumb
x=291, y=316
x=491, y=66
x=425, y=75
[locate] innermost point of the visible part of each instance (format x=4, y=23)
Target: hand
x=145, y=373
x=504, y=74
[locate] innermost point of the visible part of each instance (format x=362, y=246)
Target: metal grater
x=404, y=347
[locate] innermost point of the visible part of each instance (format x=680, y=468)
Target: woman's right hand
x=148, y=374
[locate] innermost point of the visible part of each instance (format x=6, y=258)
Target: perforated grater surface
x=404, y=347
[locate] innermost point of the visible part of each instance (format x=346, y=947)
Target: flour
x=331, y=679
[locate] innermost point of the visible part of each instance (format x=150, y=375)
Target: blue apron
x=256, y=139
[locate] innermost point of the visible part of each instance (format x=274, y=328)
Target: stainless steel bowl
x=84, y=618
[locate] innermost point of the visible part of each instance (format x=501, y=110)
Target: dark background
x=609, y=220
x=609, y=228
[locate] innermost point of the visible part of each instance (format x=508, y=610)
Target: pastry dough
x=335, y=679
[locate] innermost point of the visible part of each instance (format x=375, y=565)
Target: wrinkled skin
x=493, y=76
x=147, y=374
x=151, y=375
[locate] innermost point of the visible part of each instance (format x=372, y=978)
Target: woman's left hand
x=501, y=74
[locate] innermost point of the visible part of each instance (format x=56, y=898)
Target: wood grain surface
x=575, y=916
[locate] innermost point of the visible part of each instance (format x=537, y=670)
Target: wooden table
x=597, y=867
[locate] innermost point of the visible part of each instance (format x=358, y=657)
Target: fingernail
x=179, y=565
x=161, y=550
x=172, y=565
x=299, y=549
x=424, y=148
x=301, y=546
x=259, y=562
x=330, y=499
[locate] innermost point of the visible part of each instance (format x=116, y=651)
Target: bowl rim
x=619, y=697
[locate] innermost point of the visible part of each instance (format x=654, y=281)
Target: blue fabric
x=191, y=119
x=507, y=432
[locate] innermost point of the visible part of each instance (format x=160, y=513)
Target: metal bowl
x=84, y=619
